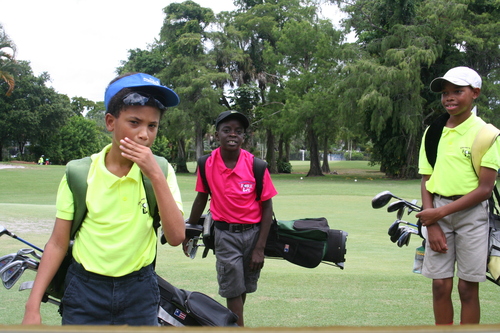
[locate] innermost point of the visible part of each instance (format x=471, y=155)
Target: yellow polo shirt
x=116, y=237
x=453, y=173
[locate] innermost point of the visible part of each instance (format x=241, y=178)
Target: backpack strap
x=259, y=167
x=150, y=193
x=76, y=174
x=201, y=166
x=433, y=136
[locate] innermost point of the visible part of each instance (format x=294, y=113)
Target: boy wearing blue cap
x=455, y=198
x=111, y=280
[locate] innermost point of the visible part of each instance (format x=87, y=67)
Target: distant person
x=455, y=200
x=241, y=222
x=111, y=280
x=40, y=160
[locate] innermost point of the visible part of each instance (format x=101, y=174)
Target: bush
x=354, y=156
x=284, y=167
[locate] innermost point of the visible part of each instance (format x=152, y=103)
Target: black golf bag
x=180, y=307
x=306, y=242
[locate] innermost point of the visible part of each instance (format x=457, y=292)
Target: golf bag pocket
x=494, y=256
x=302, y=252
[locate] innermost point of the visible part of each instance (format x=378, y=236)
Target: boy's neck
x=116, y=163
x=454, y=121
x=230, y=158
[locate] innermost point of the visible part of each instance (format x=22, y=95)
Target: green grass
x=376, y=288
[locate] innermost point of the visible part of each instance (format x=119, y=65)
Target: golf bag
x=179, y=308
x=494, y=240
x=306, y=242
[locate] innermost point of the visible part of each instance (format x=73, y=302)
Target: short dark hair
x=116, y=104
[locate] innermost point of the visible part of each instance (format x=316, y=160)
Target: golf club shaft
x=26, y=242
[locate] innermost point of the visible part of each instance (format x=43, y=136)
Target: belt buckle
x=234, y=228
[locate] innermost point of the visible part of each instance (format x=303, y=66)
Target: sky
x=80, y=43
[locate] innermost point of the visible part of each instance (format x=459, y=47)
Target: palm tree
x=7, y=62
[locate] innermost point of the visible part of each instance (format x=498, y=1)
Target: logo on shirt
x=247, y=187
x=143, y=204
x=467, y=152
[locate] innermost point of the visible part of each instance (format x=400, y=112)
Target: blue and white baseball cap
x=143, y=82
x=459, y=76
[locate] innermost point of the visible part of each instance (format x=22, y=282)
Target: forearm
x=265, y=224
x=172, y=220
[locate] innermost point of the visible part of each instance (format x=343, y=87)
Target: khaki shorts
x=467, y=239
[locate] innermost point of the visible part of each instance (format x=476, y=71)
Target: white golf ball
x=301, y=177
x=355, y=180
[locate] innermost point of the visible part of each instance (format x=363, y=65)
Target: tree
x=403, y=44
x=7, y=63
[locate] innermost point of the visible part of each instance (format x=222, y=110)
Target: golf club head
x=396, y=205
x=381, y=199
x=393, y=229
x=6, y=259
x=26, y=285
x=12, y=273
x=404, y=239
x=3, y=230
x=397, y=234
x=27, y=252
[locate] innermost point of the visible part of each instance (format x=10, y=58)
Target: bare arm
x=265, y=224
x=53, y=255
x=171, y=217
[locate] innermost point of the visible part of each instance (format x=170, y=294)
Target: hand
x=32, y=318
x=429, y=216
x=257, y=261
x=436, y=238
x=185, y=246
x=139, y=154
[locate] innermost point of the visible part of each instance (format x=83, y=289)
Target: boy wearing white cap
x=455, y=198
x=111, y=280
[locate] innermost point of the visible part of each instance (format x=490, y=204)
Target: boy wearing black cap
x=455, y=198
x=111, y=280
x=241, y=222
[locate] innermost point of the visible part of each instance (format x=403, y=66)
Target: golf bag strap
x=76, y=175
x=259, y=167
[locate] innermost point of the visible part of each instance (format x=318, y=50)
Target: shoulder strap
x=485, y=137
x=150, y=193
x=259, y=167
x=76, y=174
x=201, y=166
x=433, y=136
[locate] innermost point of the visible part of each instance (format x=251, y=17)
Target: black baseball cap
x=226, y=115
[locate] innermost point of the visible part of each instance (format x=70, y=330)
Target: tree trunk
x=271, y=154
x=181, y=164
x=312, y=138
x=199, y=141
x=325, y=167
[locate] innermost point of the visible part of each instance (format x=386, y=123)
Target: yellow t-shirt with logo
x=116, y=237
x=453, y=173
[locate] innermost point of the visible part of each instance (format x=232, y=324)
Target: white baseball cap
x=460, y=76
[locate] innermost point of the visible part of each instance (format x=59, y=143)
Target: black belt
x=453, y=197
x=234, y=227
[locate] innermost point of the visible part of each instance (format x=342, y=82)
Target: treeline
x=296, y=76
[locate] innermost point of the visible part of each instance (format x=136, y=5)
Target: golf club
x=6, y=259
x=404, y=239
x=395, y=225
x=383, y=198
x=8, y=233
x=12, y=273
x=26, y=252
